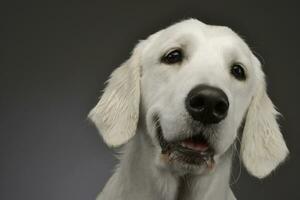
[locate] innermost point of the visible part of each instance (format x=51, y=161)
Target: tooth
x=182, y=144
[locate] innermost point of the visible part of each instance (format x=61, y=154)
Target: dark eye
x=172, y=57
x=238, y=72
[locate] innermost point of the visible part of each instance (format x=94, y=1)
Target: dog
x=176, y=108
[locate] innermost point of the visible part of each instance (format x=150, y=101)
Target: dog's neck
x=138, y=177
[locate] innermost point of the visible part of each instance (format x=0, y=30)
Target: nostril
x=220, y=108
x=197, y=102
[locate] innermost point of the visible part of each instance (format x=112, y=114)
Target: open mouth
x=194, y=150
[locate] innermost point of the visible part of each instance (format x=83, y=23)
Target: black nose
x=207, y=104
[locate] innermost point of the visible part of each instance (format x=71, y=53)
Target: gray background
x=55, y=58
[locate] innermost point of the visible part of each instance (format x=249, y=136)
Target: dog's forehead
x=193, y=31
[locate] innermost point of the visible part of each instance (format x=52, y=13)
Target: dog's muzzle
x=207, y=106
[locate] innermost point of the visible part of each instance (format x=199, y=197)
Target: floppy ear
x=263, y=147
x=116, y=114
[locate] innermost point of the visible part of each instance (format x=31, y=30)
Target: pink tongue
x=197, y=146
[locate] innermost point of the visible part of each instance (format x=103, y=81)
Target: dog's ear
x=117, y=112
x=263, y=147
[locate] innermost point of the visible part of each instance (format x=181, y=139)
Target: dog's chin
x=188, y=155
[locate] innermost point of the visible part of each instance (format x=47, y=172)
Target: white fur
x=143, y=87
x=117, y=112
x=263, y=147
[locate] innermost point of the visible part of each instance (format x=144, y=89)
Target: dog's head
x=195, y=86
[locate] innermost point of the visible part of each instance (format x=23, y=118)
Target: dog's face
x=197, y=83
x=194, y=85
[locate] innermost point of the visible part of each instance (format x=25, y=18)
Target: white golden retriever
x=178, y=104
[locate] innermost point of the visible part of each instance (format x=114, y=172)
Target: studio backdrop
x=56, y=56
